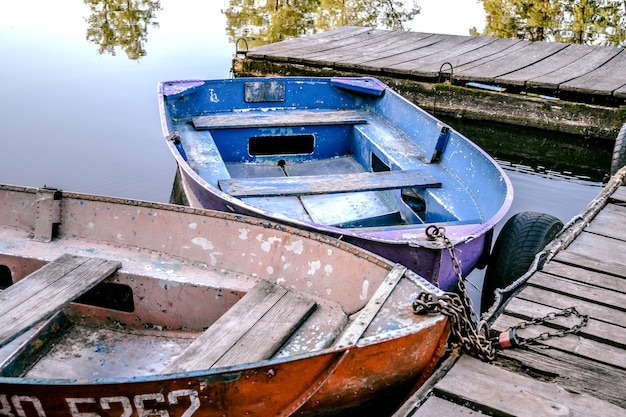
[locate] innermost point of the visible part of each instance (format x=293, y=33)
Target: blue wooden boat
x=345, y=156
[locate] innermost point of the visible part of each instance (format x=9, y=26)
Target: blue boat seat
x=327, y=184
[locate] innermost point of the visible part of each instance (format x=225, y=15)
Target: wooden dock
x=571, y=88
x=580, y=374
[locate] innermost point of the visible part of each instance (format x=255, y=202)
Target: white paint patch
x=243, y=234
x=213, y=96
x=280, y=280
x=267, y=244
x=364, y=290
x=204, y=243
x=193, y=226
x=90, y=225
x=286, y=265
x=329, y=291
x=329, y=252
x=296, y=247
x=120, y=236
x=314, y=266
x=269, y=270
x=213, y=256
x=328, y=269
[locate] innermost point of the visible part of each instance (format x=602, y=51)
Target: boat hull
x=388, y=133
x=183, y=265
x=430, y=261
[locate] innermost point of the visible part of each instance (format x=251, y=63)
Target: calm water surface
x=79, y=120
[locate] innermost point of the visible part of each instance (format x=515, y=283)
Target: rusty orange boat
x=113, y=307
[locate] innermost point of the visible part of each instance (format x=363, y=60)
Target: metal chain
x=468, y=333
x=471, y=334
x=570, y=311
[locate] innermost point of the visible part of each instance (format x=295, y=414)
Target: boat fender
x=619, y=151
x=523, y=236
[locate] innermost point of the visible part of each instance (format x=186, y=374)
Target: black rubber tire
x=619, y=151
x=522, y=237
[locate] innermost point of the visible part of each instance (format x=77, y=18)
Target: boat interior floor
x=351, y=209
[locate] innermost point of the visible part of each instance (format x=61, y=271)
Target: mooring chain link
x=567, y=312
x=471, y=334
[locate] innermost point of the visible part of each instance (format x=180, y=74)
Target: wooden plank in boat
x=252, y=330
x=474, y=383
x=354, y=331
x=251, y=119
x=327, y=184
x=47, y=290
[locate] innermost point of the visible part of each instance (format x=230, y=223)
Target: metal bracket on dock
x=441, y=72
x=239, y=52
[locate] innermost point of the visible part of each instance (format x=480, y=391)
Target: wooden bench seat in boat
x=253, y=329
x=281, y=118
x=327, y=184
x=46, y=291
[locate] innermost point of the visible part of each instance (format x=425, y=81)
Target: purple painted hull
x=473, y=196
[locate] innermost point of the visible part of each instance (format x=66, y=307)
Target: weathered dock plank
x=551, y=64
x=601, y=81
x=596, y=57
x=554, y=372
x=590, y=81
x=485, y=389
x=496, y=71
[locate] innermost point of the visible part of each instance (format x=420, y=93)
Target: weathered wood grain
x=573, y=373
x=575, y=344
x=615, y=315
x=508, y=62
x=609, y=222
x=550, y=65
x=577, y=68
x=519, y=310
x=278, y=118
x=595, y=252
x=263, y=319
x=46, y=291
x=497, y=70
x=327, y=184
x=602, y=80
x=435, y=406
x=499, y=391
x=594, y=278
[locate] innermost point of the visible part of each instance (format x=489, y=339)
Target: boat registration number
x=27, y=406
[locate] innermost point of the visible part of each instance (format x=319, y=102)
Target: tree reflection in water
x=275, y=20
x=121, y=23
